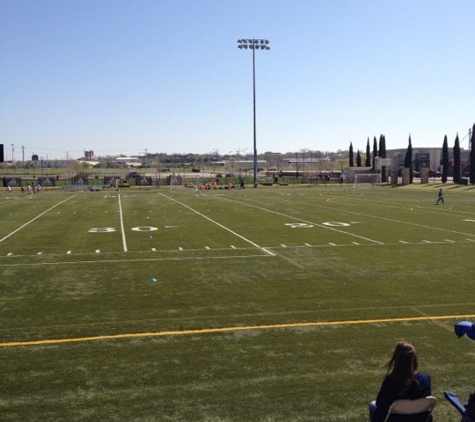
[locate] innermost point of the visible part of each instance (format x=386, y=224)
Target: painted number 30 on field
x=326, y=223
x=112, y=229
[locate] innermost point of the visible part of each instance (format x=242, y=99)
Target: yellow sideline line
x=229, y=329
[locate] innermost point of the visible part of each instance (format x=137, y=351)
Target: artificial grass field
x=268, y=304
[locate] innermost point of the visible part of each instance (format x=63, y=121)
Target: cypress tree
x=352, y=162
x=382, y=154
x=445, y=160
x=408, y=159
x=472, y=156
x=358, y=159
x=375, y=153
x=457, y=162
x=381, y=146
x=368, y=155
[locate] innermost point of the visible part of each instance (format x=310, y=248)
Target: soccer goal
x=367, y=179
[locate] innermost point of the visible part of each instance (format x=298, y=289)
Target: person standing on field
x=440, y=198
x=241, y=183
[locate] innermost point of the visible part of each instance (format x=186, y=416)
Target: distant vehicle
x=132, y=174
x=219, y=175
x=433, y=173
x=415, y=174
x=229, y=174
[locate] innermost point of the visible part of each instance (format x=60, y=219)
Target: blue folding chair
x=454, y=401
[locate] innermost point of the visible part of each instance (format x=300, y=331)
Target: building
x=89, y=155
x=426, y=158
x=129, y=162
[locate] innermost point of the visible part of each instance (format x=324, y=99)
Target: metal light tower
x=254, y=45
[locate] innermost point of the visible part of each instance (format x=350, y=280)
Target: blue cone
x=153, y=280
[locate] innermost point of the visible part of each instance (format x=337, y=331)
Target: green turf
x=300, y=286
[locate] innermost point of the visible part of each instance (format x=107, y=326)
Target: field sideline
x=269, y=304
x=229, y=329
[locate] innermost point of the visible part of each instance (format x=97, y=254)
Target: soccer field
x=269, y=304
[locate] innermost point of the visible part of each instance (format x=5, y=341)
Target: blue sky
x=120, y=76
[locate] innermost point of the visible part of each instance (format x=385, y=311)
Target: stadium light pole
x=254, y=44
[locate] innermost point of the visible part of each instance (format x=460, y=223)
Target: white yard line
x=134, y=260
x=220, y=225
x=360, y=214
x=392, y=220
x=5, y=263
x=36, y=218
x=306, y=221
x=124, y=241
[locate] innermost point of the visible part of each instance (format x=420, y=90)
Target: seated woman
x=402, y=381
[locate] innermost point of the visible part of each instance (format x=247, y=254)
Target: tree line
x=380, y=151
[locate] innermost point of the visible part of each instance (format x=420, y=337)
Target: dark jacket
x=420, y=387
